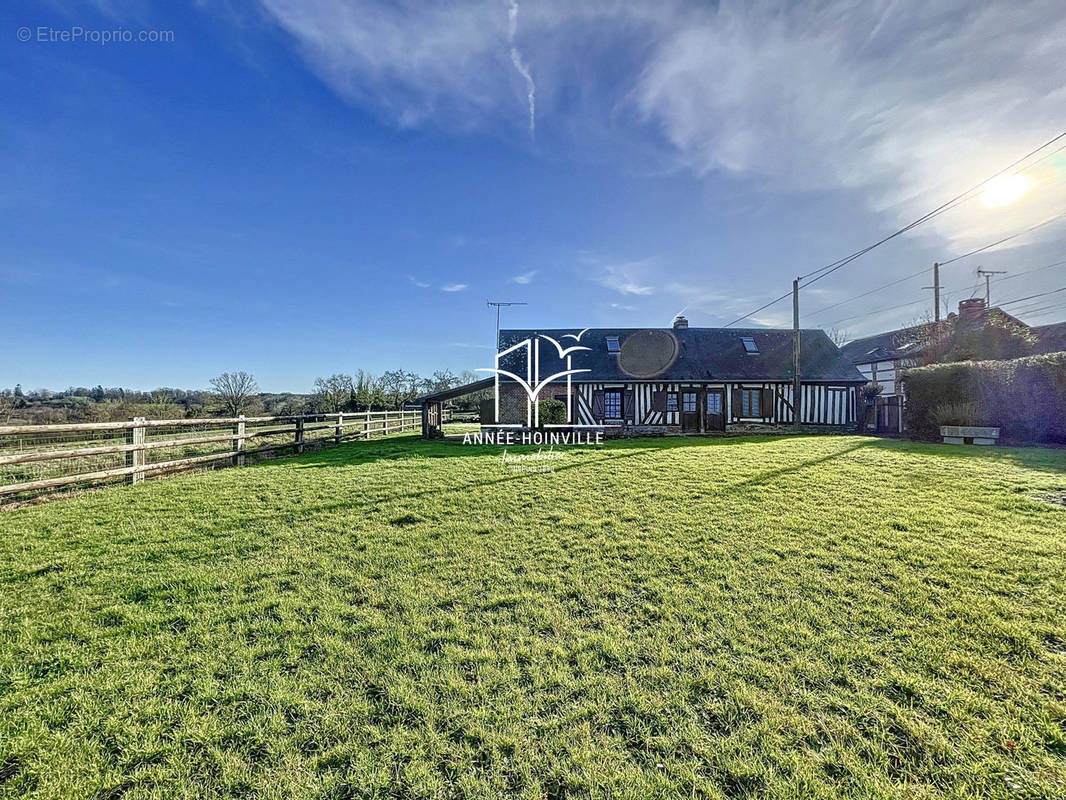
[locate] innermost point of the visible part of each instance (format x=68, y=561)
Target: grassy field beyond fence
x=786, y=617
x=39, y=460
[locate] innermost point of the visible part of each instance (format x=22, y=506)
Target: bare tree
x=235, y=390
x=837, y=336
x=399, y=386
x=441, y=380
x=336, y=391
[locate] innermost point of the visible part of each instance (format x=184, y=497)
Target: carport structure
x=433, y=405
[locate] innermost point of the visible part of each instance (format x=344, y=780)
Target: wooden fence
x=36, y=458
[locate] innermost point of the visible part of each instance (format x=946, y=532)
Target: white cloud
x=910, y=101
x=521, y=66
x=625, y=277
x=453, y=287
x=416, y=282
x=465, y=65
x=525, y=277
x=907, y=102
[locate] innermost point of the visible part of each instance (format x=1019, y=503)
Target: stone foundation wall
x=731, y=429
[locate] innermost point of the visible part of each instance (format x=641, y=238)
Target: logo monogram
x=533, y=384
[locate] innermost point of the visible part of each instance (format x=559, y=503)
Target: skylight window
x=612, y=344
x=750, y=347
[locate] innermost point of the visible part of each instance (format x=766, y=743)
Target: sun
x=1003, y=190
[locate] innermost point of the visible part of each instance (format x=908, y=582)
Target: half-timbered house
x=677, y=380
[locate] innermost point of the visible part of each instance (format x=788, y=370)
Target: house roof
x=455, y=391
x=912, y=340
x=885, y=346
x=682, y=354
x=1051, y=338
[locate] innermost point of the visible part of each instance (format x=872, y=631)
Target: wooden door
x=887, y=414
x=690, y=410
x=714, y=410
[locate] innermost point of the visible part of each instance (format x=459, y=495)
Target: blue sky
x=300, y=188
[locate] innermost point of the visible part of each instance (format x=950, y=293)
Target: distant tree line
x=231, y=394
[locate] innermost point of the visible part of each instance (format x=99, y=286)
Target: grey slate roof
x=883, y=346
x=456, y=391
x=911, y=341
x=1051, y=338
x=704, y=354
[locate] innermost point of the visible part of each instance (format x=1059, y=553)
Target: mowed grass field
x=765, y=617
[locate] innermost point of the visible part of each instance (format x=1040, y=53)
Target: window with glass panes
x=612, y=404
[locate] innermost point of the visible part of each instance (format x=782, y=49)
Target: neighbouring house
x=883, y=357
x=1050, y=338
x=976, y=332
x=679, y=379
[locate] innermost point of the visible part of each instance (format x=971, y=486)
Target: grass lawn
x=763, y=617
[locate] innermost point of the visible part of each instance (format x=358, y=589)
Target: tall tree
x=235, y=391
x=442, y=379
x=336, y=391
x=399, y=386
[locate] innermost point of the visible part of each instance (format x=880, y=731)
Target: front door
x=715, y=410
x=690, y=410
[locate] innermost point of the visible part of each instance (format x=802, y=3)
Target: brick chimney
x=972, y=309
x=680, y=322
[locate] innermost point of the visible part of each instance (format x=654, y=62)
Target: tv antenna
x=498, y=304
x=981, y=271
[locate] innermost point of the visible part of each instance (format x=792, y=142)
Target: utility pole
x=498, y=305
x=988, y=284
x=936, y=291
x=796, y=354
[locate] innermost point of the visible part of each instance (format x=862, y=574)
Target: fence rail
x=36, y=458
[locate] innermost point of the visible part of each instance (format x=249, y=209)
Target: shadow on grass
x=610, y=453
x=406, y=446
x=1044, y=459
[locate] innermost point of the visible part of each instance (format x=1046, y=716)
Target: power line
x=964, y=255
x=756, y=311
x=865, y=315
x=834, y=266
x=1029, y=271
x=1032, y=296
x=925, y=270
x=1039, y=312
x=1037, y=308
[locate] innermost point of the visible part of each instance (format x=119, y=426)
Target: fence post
x=366, y=425
x=135, y=458
x=300, y=435
x=339, y=431
x=385, y=424
x=238, y=444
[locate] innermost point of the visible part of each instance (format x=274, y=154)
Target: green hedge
x=1025, y=397
x=552, y=412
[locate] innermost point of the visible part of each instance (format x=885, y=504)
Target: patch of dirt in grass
x=1057, y=498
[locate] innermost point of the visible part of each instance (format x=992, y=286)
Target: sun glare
x=1004, y=190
